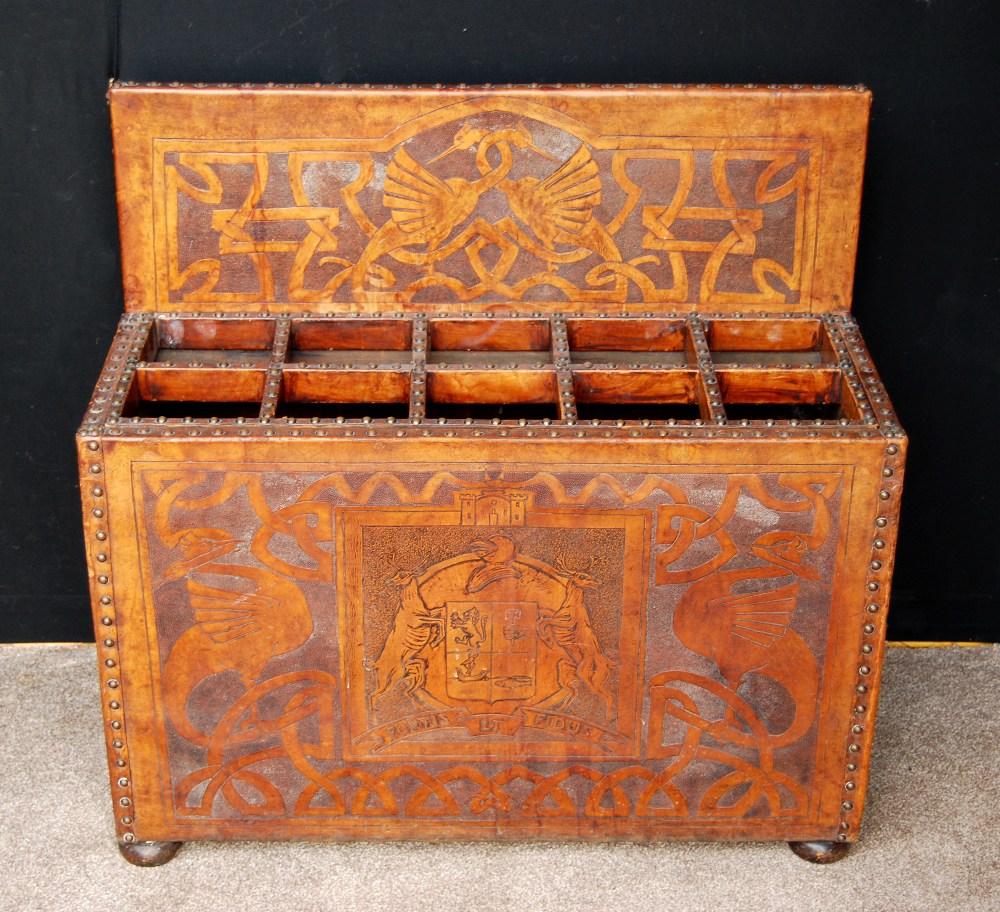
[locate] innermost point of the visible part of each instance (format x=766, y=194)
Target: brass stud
x=105, y=599
x=876, y=565
x=879, y=544
x=867, y=649
x=102, y=558
x=102, y=579
x=92, y=445
x=858, y=729
x=116, y=725
x=881, y=522
x=114, y=704
x=852, y=767
x=113, y=683
x=869, y=629
x=117, y=745
x=125, y=801
x=850, y=785
x=101, y=535
x=848, y=805
x=128, y=837
x=854, y=748
x=106, y=621
x=864, y=670
x=872, y=609
x=873, y=586
x=99, y=513
x=97, y=492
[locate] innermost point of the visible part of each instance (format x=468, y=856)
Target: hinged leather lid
x=618, y=199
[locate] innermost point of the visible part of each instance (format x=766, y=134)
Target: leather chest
x=489, y=463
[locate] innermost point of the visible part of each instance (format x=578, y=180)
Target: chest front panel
x=515, y=650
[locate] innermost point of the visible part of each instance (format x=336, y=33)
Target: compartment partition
x=656, y=368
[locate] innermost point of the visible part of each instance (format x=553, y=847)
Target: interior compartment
x=764, y=335
x=769, y=343
x=475, y=335
x=341, y=342
x=157, y=391
x=205, y=334
x=636, y=395
x=749, y=393
x=609, y=335
x=316, y=385
x=634, y=387
x=510, y=393
x=222, y=343
x=157, y=383
x=489, y=411
x=747, y=385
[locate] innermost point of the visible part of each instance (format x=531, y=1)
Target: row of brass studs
x=116, y=375
x=849, y=367
x=272, y=381
x=862, y=370
x=418, y=370
x=521, y=427
x=508, y=86
x=146, y=317
x=873, y=638
x=99, y=549
x=134, y=330
x=709, y=394
x=564, y=373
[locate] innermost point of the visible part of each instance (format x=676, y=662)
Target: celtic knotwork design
x=680, y=524
x=511, y=204
x=753, y=777
x=503, y=678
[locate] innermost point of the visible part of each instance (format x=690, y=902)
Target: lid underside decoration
x=330, y=200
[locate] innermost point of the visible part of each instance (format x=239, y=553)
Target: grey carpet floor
x=931, y=839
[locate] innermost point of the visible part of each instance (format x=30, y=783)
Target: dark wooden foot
x=148, y=854
x=820, y=852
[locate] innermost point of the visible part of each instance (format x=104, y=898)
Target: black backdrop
x=927, y=276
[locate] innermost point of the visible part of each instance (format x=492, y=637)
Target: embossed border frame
x=834, y=118
x=635, y=523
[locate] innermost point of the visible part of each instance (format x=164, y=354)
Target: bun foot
x=148, y=854
x=820, y=852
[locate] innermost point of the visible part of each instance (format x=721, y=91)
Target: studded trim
x=105, y=608
x=105, y=414
x=871, y=648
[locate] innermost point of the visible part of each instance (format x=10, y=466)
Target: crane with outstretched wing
x=559, y=209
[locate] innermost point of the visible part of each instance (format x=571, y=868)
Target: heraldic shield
x=493, y=628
